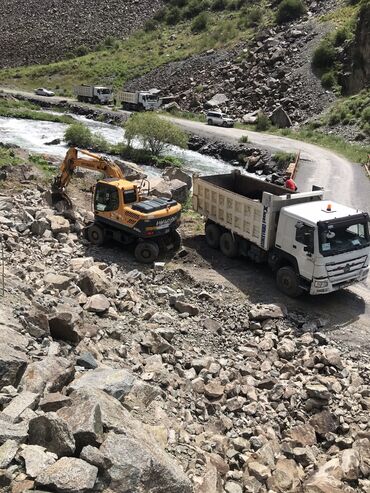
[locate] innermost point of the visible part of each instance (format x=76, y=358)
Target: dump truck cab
x=327, y=243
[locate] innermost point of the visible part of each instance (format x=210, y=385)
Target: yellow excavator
x=122, y=211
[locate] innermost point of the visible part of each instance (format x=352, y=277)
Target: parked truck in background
x=94, y=94
x=139, y=100
x=312, y=244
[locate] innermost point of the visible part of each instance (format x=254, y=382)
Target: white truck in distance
x=139, y=100
x=312, y=244
x=94, y=94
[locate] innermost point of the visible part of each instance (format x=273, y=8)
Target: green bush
x=150, y=25
x=365, y=116
x=341, y=35
x=78, y=135
x=244, y=139
x=263, y=122
x=251, y=16
x=154, y=133
x=283, y=159
x=324, y=56
x=196, y=7
x=200, y=23
x=173, y=16
x=289, y=10
x=328, y=80
x=219, y=5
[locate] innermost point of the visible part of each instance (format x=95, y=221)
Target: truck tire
x=146, y=252
x=213, y=234
x=288, y=282
x=229, y=245
x=95, y=235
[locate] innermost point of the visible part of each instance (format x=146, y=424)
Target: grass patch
x=10, y=108
x=283, y=159
x=43, y=165
x=185, y=115
x=8, y=157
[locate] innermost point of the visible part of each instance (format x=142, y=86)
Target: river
x=32, y=136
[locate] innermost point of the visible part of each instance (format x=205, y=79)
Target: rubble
x=190, y=387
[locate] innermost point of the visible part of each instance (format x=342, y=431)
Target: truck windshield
x=104, y=91
x=152, y=98
x=343, y=235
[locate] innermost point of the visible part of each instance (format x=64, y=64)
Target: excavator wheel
x=146, y=252
x=95, y=234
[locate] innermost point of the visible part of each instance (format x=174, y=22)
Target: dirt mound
x=37, y=33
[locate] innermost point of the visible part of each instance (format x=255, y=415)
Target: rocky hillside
x=34, y=32
x=115, y=377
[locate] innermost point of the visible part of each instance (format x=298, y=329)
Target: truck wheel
x=287, y=281
x=213, y=234
x=95, y=234
x=146, y=252
x=228, y=245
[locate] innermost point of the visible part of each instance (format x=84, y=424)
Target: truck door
x=304, y=248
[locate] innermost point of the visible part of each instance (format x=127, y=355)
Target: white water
x=33, y=134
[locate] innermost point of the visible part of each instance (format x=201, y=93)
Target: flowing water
x=32, y=136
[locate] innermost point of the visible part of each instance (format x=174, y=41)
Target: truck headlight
x=321, y=284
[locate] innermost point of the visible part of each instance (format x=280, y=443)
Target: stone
x=26, y=485
x=286, y=349
x=302, y=435
x=280, y=118
x=117, y=383
x=331, y=357
x=232, y=487
x=25, y=400
x=50, y=374
x=52, y=432
x=214, y=390
x=324, y=422
x=322, y=484
x=81, y=263
x=84, y=420
x=286, y=477
x=173, y=173
x=86, y=360
x=8, y=451
x=68, y=475
x=264, y=312
x=10, y=431
x=318, y=391
x=5, y=480
x=57, y=281
x=58, y=224
x=156, y=344
x=350, y=464
x=94, y=281
x=64, y=324
x=138, y=466
x=13, y=364
x=54, y=401
x=183, y=307
x=212, y=325
x=93, y=456
x=36, y=459
x=259, y=471
x=98, y=303
x=37, y=324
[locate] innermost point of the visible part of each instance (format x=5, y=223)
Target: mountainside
x=40, y=32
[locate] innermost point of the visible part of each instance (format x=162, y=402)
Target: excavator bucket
x=59, y=198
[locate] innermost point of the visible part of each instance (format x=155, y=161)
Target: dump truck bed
x=244, y=205
x=128, y=97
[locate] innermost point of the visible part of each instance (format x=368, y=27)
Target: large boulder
x=24, y=400
x=138, y=467
x=36, y=459
x=176, y=189
x=174, y=173
x=53, y=433
x=117, y=383
x=8, y=451
x=13, y=364
x=94, y=281
x=50, y=374
x=58, y=224
x=9, y=431
x=280, y=118
x=68, y=475
x=64, y=323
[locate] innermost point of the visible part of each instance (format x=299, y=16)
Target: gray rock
x=54, y=401
x=183, y=307
x=64, y=324
x=68, y=475
x=57, y=281
x=136, y=466
x=94, y=281
x=98, y=303
x=93, y=456
x=117, y=383
x=25, y=400
x=264, y=312
x=37, y=324
x=13, y=364
x=50, y=374
x=58, y=224
x=10, y=431
x=86, y=360
x=173, y=173
x=36, y=459
x=53, y=433
x=8, y=451
x=280, y=118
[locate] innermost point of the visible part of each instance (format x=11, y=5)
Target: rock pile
x=31, y=34
x=119, y=379
x=272, y=70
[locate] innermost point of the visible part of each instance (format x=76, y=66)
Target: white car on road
x=41, y=91
x=220, y=119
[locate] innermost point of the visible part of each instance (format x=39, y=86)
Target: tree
x=78, y=135
x=153, y=132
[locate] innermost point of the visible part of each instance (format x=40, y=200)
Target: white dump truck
x=94, y=94
x=139, y=100
x=312, y=244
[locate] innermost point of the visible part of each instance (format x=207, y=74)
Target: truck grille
x=344, y=271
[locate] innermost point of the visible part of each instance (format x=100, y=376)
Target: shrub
x=196, y=7
x=200, y=23
x=154, y=133
x=263, y=122
x=252, y=16
x=324, y=55
x=78, y=135
x=219, y=5
x=150, y=25
x=283, y=159
x=340, y=36
x=365, y=116
x=289, y=10
x=328, y=80
x=81, y=50
x=173, y=16
x=244, y=139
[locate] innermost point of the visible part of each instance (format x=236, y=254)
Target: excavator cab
x=121, y=213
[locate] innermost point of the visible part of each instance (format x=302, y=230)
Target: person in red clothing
x=291, y=185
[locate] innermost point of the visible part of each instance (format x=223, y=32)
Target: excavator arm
x=94, y=162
